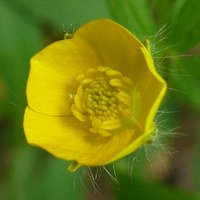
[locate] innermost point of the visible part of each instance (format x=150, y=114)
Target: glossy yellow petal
x=121, y=50
x=67, y=138
x=63, y=136
x=135, y=144
x=116, y=46
x=51, y=83
x=156, y=91
x=55, y=88
x=111, y=149
x=152, y=91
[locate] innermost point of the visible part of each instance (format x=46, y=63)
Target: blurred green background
x=157, y=171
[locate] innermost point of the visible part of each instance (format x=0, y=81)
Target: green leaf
x=36, y=175
x=134, y=15
x=62, y=14
x=137, y=188
x=185, y=23
x=185, y=78
x=160, y=10
x=19, y=39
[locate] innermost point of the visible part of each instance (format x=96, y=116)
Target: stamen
x=87, y=81
x=113, y=74
x=91, y=72
x=78, y=114
x=111, y=124
x=124, y=98
x=104, y=133
x=103, y=69
x=117, y=83
x=102, y=99
x=79, y=98
x=79, y=105
x=128, y=81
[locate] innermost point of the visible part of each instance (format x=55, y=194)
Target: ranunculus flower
x=92, y=98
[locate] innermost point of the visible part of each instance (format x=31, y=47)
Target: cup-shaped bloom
x=92, y=98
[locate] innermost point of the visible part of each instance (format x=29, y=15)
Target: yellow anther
x=104, y=133
x=91, y=72
x=124, y=98
x=128, y=81
x=113, y=74
x=79, y=104
x=117, y=83
x=80, y=92
x=78, y=114
x=103, y=69
x=86, y=81
x=111, y=124
x=101, y=132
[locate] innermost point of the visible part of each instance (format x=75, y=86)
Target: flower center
x=103, y=99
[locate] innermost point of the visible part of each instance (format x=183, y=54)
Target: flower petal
x=63, y=136
x=51, y=83
x=121, y=50
x=135, y=144
x=152, y=90
x=152, y=93
x=51, y=93
x=67, y=138
x=116, y=46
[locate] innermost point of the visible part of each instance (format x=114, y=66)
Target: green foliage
x=136, y=188
x=134, y=15
x=27, y=26
x=20, y=39
x=185, y=24
x=185, y=78
x=35, y=176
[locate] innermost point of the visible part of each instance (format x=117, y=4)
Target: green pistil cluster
x=102, y=101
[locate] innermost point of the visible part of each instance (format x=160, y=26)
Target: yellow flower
x=92, y=98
